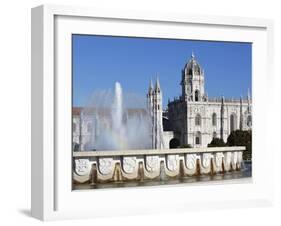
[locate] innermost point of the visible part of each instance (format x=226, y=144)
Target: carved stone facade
x=154, y=106
x=195, y=119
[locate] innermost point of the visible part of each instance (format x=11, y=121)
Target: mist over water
x=120, y=121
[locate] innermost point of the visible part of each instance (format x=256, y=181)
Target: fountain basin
x=97, y=167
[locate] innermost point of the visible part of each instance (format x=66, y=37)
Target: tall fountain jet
x=118, y=125
x=117, y=110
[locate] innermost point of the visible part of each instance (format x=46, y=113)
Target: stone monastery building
x=192, y=118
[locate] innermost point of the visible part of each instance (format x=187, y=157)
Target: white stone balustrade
x=126, y=165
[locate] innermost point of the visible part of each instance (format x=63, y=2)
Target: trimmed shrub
x=217, y=142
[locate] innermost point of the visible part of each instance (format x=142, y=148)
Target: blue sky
x=99, y=61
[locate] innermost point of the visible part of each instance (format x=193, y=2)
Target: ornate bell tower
x=154, y=105
x=193, y=81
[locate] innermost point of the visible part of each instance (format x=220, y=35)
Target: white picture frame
x=52, y=196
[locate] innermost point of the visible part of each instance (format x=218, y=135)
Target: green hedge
x=242, y=138
x=236, y=138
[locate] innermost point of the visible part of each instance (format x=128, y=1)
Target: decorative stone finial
x=192, y=54
x=222, y=99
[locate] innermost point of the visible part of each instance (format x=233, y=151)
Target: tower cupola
x=192, y=81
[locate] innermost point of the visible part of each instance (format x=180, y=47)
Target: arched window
x=174, y=143
x=214, y=119
x=249, y=120
x=233, y=122
x=198, y=138
x=196, y=95
x=197, y=70
x=198, y=120
x=89, y=127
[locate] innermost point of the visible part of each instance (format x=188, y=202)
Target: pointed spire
x=222, y=118
x=157, y=85
x=157, y=82
x=248, y=94
x=241, y=115
x=222, y=100
x=249, y=106
x=150, y=88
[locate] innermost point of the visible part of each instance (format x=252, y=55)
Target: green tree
x=217, y=142
x=241, y=138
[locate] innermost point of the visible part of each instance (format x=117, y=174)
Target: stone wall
x=182, y=120
x=206, y=128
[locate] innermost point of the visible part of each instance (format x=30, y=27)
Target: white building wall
x=206, y=128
